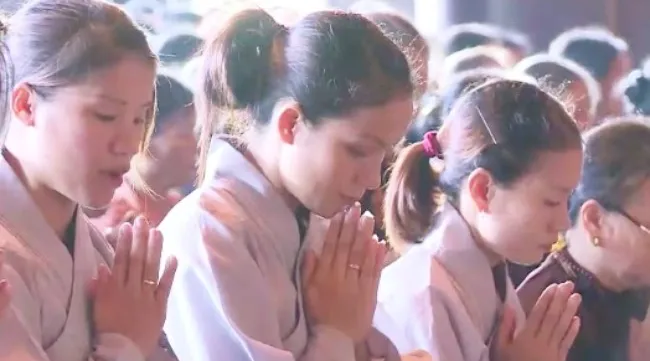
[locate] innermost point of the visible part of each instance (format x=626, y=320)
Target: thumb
x=506, y=331
x=98, y=281
x=309, y=265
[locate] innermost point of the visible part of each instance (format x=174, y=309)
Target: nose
x=127, y=140
x=371, y=176
x=563, y=222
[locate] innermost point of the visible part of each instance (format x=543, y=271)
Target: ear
x=480, y=187
x=23, y=100
x=289, y=118
x=592, y=216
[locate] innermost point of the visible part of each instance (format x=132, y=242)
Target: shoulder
x=548, y=273
x=414, y=284
x=210, y=215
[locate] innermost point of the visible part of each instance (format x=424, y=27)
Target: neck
x=55, y=207
x=587, y=256
x=469, y=214
x=260, y=157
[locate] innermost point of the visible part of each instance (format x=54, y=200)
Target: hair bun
x=637, y=89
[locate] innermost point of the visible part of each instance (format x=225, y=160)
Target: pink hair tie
x=432, y=148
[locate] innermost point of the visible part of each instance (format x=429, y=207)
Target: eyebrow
x=380, y=143
x=121, y=101
x=563, y=189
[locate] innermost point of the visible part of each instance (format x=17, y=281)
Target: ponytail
x=236, y=75
x=411, y=197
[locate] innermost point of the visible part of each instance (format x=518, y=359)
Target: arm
x=221, y=306
x=20, y=332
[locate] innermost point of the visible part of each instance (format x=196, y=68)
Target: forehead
x=130, y=80
x=386, y=123
x=557, y=171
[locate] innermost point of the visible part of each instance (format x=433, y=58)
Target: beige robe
x=440, y=296
x=237, y=293
x=50, y=317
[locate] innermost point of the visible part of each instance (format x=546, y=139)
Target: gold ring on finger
x=149, y=282
x=355, y=266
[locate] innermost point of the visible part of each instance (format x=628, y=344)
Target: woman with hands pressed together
x=327, y=99
x=607, y=254
x=486, y=189
x=81, y=107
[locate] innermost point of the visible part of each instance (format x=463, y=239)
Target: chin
x=530, y=260
x=323, y=209
x=96, y=203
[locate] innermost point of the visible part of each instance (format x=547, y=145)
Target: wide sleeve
x=221, y=307
x=421, y=322
x=20, y=332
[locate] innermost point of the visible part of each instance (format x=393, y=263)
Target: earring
x=596, y=241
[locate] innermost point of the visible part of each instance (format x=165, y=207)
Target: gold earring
x=596, y=241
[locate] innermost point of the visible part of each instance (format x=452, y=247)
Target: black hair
x=179, y=49
x=469, y=35
x=635, y=89
x=516, y=41
x=172, y=96
x=330, y=62
x=501, y=126
x=557, y=73
x=437, y=106
x=615, y=164
x=596, y=49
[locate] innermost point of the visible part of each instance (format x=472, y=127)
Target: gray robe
x=237, y=293
x=440, y=296
x=49, y=318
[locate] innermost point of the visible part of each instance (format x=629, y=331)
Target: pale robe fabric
x=237, y=294
x=49, y=318
x=440, y=296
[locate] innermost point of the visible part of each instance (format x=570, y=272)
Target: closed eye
x=105, y=117
x=550, y=203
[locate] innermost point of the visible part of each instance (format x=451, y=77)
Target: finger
x=554, y=311
x=309, y=265
x=569, y=338
x=121, y=261
x=382, y=253
x=5, y=295
x=2, y=261
x=368, y=267
x=380, y=259
x=360, y=245
x=166, y=281
x=534, y=321
x=506, y=332
x=570, y=310
x=331, y=237
x=110, y=234
x=346, y=238
x=138, y=254
x=152, y=264
x=99, y=281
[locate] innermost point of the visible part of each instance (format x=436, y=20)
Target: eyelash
x=110, y=118
x=549, y=203
x=356, y=152
x=104, y=117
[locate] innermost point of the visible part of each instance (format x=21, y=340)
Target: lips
x=115, y=175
